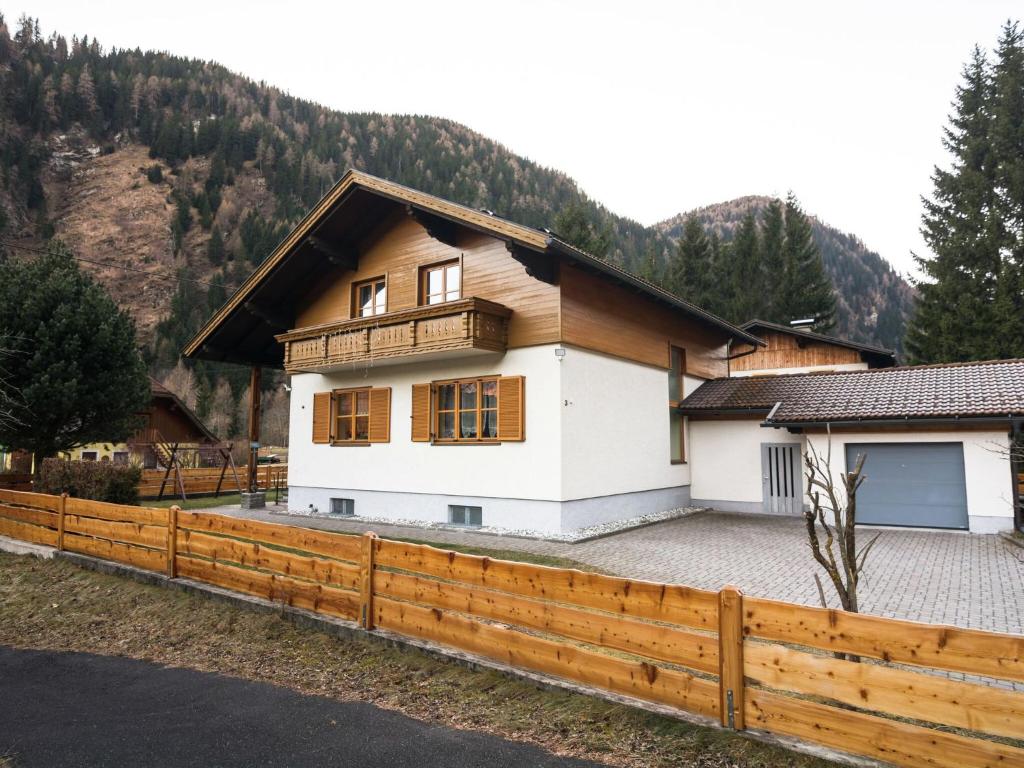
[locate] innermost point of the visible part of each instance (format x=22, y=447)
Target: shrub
x=96, y=480
x=155, y=174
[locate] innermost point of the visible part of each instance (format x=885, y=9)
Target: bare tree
x=831, y=524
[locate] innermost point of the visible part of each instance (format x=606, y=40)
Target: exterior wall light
x=559, y=353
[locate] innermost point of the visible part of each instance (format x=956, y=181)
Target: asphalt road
x=64, y=709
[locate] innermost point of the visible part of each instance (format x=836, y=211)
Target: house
x=936, y=439
x=167, y=421
x=449, y=365
x=797, y=349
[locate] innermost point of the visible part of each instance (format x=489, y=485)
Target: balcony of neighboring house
x=453, y=329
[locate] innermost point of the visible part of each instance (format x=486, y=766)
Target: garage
x=920, y=485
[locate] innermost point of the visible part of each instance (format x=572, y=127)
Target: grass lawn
x=54, y=605
x=197, y=502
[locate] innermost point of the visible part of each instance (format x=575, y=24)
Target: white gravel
x=569, y=537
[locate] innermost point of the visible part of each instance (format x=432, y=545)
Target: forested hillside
x=172, y=178
x=874, y=301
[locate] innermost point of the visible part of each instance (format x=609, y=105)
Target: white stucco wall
x=615, y=427
x=800, y=369
x=725, y=461
x=527, y=470
x=986, y=468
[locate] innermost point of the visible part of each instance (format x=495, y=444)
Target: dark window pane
x=345, y=404
x=365, y=300
x=446, y=426
x=362, y=403
x=362, y=427
x=490, y=394
x=475, y=515
x=468, y=398
x=344, y=429
x=675, y=426
x=489, y=427
x=446, y=397
x=467, y=424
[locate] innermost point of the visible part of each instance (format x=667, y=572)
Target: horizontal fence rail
x=865, y=685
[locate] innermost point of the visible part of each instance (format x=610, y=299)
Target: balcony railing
x=442, y=330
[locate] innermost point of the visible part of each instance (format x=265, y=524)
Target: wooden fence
x=744, y=661
x=202, y=480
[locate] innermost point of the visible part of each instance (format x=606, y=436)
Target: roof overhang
x=952, y=421
x=243, y=330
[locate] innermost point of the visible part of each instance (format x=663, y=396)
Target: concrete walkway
x=967, y=580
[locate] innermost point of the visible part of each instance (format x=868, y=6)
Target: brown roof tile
x=950, y=390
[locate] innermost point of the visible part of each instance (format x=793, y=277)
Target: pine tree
x=773, y=262
x=573, y=225
x=956, y=317
x=73, y=358
x=215, y=248
x=689, y=273
x=806, y=291
x=1008, y=149
x=746, y=297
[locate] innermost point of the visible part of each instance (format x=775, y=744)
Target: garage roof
x=947, y=391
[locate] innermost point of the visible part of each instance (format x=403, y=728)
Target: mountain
x=874, y=300
x=172, y=178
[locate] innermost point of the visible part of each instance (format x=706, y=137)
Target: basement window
x=470, y=517
x=343, y=507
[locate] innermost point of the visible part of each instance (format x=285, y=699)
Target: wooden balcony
x=457, y=328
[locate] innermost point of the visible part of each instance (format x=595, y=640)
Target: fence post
x=730, y=657
x=172, y=541
x=60, y=520
x=366, y=580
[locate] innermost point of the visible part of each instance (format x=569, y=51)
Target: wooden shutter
x=421, y=413
x=511, y=408
x=322, y=417
x=380, y=415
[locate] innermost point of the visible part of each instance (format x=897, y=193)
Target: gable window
x=676, y=422
x=467, y=410
x=370, y=297
x=440, y=283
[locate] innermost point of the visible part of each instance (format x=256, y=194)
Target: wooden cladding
x=441, y=411
x=787, y=350
x=352, y=416
x=468, y=325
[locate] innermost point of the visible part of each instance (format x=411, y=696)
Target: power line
x=126, y=268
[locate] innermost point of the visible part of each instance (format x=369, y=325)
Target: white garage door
x=914, y=484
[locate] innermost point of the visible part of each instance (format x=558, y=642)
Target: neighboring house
x=449, y=365
x=797, y=349
x=166, y=422
x=936, y=440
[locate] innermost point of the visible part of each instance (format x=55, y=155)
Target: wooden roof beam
x=439, y=228
x=269, y=315
x=343, y=255
x=540, y=266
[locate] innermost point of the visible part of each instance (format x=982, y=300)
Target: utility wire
x=126, y=268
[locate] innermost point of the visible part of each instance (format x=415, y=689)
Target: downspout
x=1016, y=444
x=730, y=357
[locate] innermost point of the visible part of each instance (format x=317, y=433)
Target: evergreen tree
x=573, y=225
x=806, y=290
x=215, y=248
x=74, y=364
x=690, y=272
x=773, y=262
x=956, y=317
x=746, y=297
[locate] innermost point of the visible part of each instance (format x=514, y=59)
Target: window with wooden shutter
x=361, y=415
x=322, y=417
x=380, y=414
x=421, y=413
x=511, y=408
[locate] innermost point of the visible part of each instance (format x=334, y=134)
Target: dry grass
x=58, y=606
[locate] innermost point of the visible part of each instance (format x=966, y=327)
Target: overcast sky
x=654, y=108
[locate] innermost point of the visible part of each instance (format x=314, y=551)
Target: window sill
x=351, y=444
x=678, y=461
x=465, y=442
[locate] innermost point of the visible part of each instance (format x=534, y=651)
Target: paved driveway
x=84, y=710
x=968, y=580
